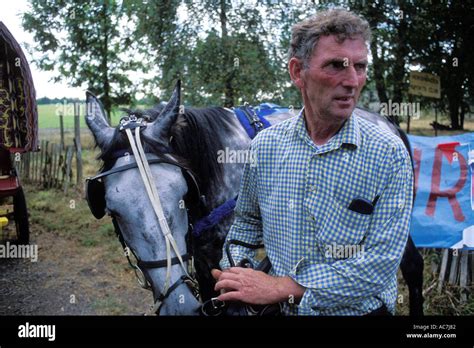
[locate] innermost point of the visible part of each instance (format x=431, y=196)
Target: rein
x=132, y=127
x=146, y=175
x=128, y=124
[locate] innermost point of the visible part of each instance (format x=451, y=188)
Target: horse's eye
x=112, y=213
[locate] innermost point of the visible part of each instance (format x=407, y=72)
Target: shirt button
x=313, y=188
x=400, y=204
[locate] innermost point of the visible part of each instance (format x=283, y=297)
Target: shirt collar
x=349, y=134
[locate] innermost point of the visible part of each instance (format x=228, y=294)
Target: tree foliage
x=234, y=52
x=83, y=43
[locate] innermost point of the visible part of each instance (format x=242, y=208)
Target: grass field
x=48, y=115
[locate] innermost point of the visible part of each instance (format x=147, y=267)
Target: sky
x=9, y=15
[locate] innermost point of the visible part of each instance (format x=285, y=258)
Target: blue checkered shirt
x=295, y=197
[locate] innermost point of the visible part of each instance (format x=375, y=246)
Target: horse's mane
x=196, y=137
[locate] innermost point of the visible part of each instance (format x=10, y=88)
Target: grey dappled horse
x=193, y=138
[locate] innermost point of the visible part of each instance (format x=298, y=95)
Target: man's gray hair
x=344, y=24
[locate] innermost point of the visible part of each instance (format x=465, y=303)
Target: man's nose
x=350, y=77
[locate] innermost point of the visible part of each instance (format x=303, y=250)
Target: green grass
x=108, y=306
x=48, y=115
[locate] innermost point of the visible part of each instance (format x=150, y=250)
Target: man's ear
x=295, y=67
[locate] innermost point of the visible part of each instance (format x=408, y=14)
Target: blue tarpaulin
x=443, y=210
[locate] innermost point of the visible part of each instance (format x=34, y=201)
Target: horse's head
x=124, y=196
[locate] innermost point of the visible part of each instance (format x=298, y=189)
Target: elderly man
x=323, y=182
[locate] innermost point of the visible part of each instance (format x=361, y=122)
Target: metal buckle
x=193, y=286
x=132, y=122
x=141, y=278
x=144, y=283
x=212, y=307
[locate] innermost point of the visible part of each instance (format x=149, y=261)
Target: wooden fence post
x=44, y=158
x=27, y=166
x=69, y=154
x=453, y=273
x=77, y=143
x=61, y=127
x=60, y=164
x=463, y=278
x=442, y=272
x=48, y=161
x=35, y=166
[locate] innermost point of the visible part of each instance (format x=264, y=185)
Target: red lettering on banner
x=448, y=150
x=417, y=165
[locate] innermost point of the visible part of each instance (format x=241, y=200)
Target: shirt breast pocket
x=342, y=226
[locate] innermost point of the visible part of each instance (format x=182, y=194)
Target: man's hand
x=255, y=287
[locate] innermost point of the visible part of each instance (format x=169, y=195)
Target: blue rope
x=227, y=208
x=215, y=217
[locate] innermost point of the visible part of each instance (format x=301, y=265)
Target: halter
x=128, y=124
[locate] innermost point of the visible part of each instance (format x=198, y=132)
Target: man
x=323, y=182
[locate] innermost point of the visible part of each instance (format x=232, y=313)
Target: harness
x=95, y=196
x=253, y=123
x=215, y=307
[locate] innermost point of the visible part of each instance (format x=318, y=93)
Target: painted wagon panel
x=18, y=109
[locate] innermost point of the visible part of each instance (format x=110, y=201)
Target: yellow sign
x=424, y=84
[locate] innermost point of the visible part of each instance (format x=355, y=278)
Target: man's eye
x=361, y=67
x=337, y=65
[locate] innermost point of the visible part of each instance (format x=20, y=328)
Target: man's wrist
x=288, y=289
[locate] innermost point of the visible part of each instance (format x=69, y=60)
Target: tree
x=82, y=43
x=406, y=36
x=445, y=51
x=225, y=62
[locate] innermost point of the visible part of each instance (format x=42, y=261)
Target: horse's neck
x=210, y=255
x=232, y=146
x=232, y=172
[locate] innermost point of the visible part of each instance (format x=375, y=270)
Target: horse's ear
x=96, y=120
x=172, y=107
x=161, y=127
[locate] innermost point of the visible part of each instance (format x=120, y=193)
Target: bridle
x=95, y=196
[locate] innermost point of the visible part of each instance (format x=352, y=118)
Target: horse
x=181, y=146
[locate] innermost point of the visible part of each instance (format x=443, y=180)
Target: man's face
x=332, y=83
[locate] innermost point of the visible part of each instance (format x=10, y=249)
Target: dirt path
x=68, y=279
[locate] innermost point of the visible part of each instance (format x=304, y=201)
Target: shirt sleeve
x=349, y=281
x=247, y=226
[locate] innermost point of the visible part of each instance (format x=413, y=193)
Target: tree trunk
x=378, y=72
x=456, y=74
x=462, y=114
x=378, y=62
x=228, y=72
x=106, y=100
x=401, y=51
x=453, y=106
